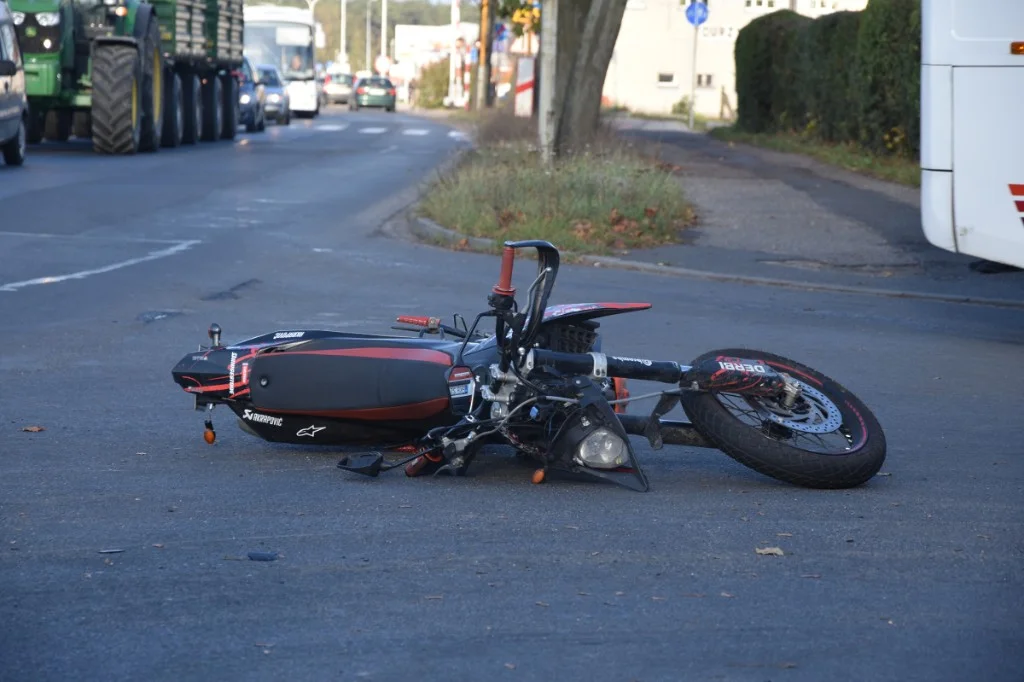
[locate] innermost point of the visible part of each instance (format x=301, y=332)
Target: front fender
x=117, y=40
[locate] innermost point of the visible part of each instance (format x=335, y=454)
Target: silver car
x=338, y=87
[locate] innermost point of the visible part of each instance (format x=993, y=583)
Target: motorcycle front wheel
x=829, y=439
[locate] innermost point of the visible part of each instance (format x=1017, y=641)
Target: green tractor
x=134, y=76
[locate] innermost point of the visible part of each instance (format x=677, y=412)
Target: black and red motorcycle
x=540, y=383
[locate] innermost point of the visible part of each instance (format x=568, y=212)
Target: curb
x=428, y=230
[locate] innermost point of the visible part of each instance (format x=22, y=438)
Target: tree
x=587, y=32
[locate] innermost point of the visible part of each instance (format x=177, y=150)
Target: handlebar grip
x=504, y=286
x=413, y=320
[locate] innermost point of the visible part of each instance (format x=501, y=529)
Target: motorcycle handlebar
x=599, y=365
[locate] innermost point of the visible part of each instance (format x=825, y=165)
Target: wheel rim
x=158, y=84
x=815, y=424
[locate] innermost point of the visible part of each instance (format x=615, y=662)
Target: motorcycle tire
x=764, y=448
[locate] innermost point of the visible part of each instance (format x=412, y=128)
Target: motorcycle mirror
x=366, y=463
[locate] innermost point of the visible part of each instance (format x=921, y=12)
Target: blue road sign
x=696, y=12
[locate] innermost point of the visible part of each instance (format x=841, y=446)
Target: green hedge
x=843, y=77
x=765, y=58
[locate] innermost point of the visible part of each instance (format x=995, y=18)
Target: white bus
x=972, y=127
x=285, y=37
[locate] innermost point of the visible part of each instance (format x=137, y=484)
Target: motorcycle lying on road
x=539, y=382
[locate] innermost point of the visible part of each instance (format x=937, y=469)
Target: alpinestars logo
x=262, y=418
x=1017, y=192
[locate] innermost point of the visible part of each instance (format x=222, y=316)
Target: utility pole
x=547, y=121
x=343, y=49
x=369, y=8
x=484, y=55
x=384, y=28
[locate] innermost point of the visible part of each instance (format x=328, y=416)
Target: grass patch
x=607, y=199
x=848, y=156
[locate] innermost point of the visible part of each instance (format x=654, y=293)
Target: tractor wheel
x=57, y=127
x=230, y=103
x=81, y=125
x=152, y=90
x=192, y=104
x=116, y=90
x=213, y=112
x=174, y=119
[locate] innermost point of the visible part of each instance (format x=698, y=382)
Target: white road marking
x=43, y=235
x=153, y=255
x=457, y=134
x=373, y=131
x=415, y=131
x=332, y=126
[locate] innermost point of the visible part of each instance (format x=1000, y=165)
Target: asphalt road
x=112, y=269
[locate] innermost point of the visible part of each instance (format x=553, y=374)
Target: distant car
x=252, y=99
x=338, y=87
x=375, y=91
x=278, y=105
x=13, y=102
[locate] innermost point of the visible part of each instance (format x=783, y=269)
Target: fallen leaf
x=108, y=561
x=159, y=545
x=510, y=666
x=542, y=603
x=619, y=594
x=727, y=595
x=772, y=551
x=33, y=429
x=583, y=594
x=650, y=212
x=140, y=453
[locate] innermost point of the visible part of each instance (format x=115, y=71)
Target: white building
x=650, y=70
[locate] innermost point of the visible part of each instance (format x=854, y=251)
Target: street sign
x=696, y=12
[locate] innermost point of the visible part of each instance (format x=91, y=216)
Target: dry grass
x=608, y=198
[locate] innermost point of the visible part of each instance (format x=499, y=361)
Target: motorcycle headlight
x=18, y=17
x=244, y=99
x=602, y=449
x=48, y=18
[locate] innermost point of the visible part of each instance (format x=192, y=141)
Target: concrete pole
x=456, y=20
x=383, y=28
x=369, y=8
x=546, y=120
x=343, y=49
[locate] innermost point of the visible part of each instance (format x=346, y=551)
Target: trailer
x=134, y=75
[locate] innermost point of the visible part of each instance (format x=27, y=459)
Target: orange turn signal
x=1017, y=47
x=121, y=11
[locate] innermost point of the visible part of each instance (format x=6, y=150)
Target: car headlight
x=274, y=98
x=18, y=17
x=244, y=99
x=602, y=449
x=48, y=18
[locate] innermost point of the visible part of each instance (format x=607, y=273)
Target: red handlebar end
x=504, y=286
